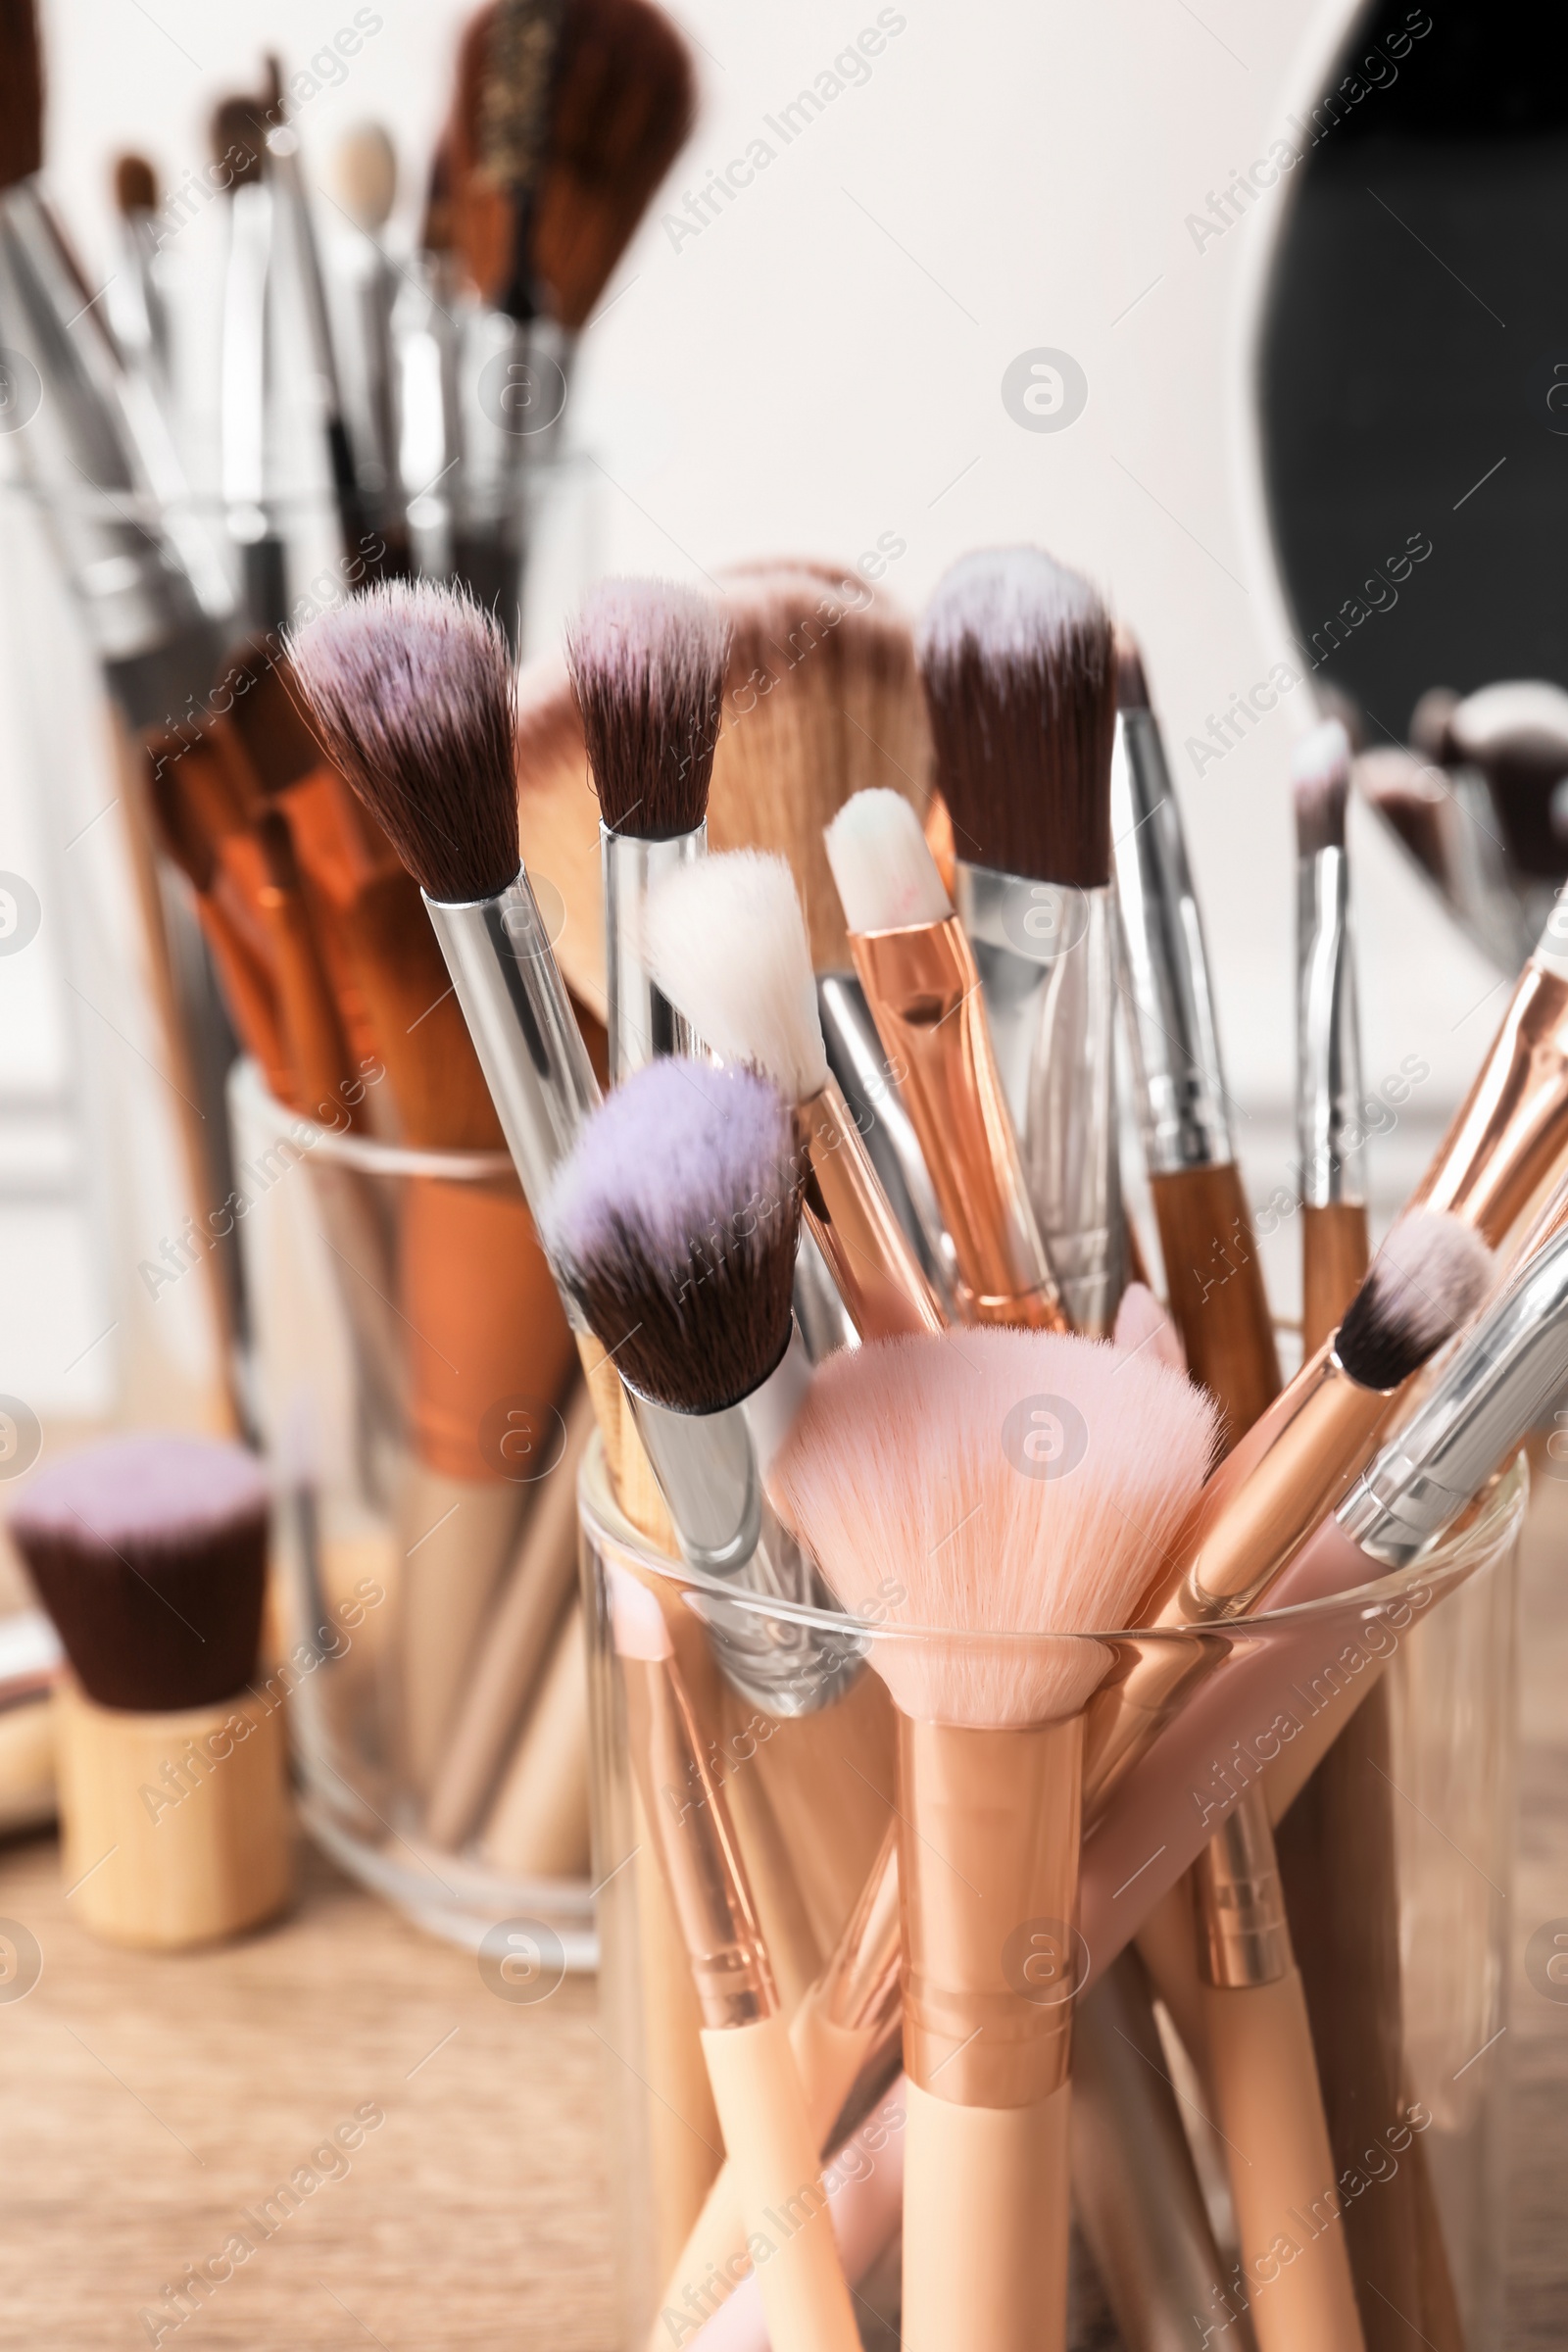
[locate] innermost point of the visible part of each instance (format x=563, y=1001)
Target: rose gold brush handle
x=1269, y=2107
x=853, y=2006
x=756, y=2086
x=1507, y=1145
x=924, y=994
x=878, y=1275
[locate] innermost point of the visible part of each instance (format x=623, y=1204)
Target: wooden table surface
x=147, y=2105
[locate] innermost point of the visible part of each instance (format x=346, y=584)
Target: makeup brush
x=674, y=1226
x=1017, y=660
x=239, y=150
x=1507, y=1146
x=725, y=940
x=769, y=2137
x=1516, y=734
x=1291, y=1468
x=1328, y=1058
x=821, y=700
x=1205, y=1230
x=1410, y=794
x=137, y=310
x=912, y=1468
x=149, y=1552
x=559, y=823
x=364, y=178
x=646, y=664
x=921, y=983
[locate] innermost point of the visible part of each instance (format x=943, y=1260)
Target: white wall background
x=822, y=364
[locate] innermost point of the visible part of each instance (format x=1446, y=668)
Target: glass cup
x=415, y=1386
x=808, y=1793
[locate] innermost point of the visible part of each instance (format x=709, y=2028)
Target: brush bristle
x=674, y=1224
x=409, y=689
x=21, y=92
x=1320, y=781
x=725, y=940
x=1132, y=686
x=1409, y=793
x=1019, y=665
x=135, y=185
x=1428, y=1279
x=647, y=662
x=822, y=699
x=1000, y=1483
x=239, y=141
x=1428, y=728
x=514, y=102
x=364, y=173
x=150, y=1554
x=882, y=865
x=1142, y=1323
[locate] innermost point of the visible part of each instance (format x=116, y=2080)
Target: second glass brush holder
x=417, y=1396
x=1421, y=1660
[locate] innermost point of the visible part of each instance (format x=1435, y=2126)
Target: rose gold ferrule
x=859, y=1987
x=1508, y=1143
x=1294, y=1465
x=688, y=1824
x=1243, y=1934
x=878, y=1275
x=924, y=993
x=988, y=1868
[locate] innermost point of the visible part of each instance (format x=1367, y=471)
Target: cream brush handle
x=778, y=2173
x=985, y=2225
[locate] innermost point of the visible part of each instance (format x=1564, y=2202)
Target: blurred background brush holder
x=1422, y=1662
x=418, y=1398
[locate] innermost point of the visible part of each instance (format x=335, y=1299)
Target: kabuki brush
x=727, y=941
x=1017, y=662
x=646, y=664
x=1205, y=1231
x=150, y=1554
x=921, y=984
x=927, y=1466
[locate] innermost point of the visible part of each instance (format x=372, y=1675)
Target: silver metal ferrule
x=712, y=1469
x=858, y=1061
x=1170, y=1013
x=1507, y=1372
x=530, y=1047
x=1329, y=1136
x=1047, y=959
x=643, y=1022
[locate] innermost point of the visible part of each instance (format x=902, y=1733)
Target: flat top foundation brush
x=1018, y=659
x=150, y=1554
x=725, y=941
x=930, y=1463
x=647, y=663
x=918, y=972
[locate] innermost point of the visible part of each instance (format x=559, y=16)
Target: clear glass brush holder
x=1421, y=1660
x=418, y=1398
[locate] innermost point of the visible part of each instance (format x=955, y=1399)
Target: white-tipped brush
x=724, y=941
x=1329, y=1117
x=882, y=865
x=1012, y=1490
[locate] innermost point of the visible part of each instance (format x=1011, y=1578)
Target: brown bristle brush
x=149, y=1552
x=1014, y=1489
x=1018, y=659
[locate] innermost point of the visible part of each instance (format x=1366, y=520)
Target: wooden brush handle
x=1334, y=1253
x=538, y=1826
x=417, y=1024
x=1283, y=2180
x=1217, y=1300
x=312, y=1026
x=772, y=2150
x=985, y=2225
